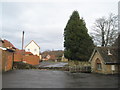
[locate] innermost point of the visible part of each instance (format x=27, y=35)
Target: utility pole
x=22, y=46
x=23, y=40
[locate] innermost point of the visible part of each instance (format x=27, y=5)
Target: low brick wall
x=17, y=57
x=31, y=59
x=20, y=56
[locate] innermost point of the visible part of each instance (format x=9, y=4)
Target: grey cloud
x=44, y=22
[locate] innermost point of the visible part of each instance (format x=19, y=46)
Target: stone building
x=104, y=60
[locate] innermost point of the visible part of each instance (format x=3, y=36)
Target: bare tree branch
x=105, y=30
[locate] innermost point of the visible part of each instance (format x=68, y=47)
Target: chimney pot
x=109, y=53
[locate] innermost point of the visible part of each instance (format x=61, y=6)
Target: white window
x=112, y=67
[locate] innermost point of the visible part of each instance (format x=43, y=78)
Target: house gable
x=31, y=42
x=96, y=52
x=33, y=48
x=96, y=55
x=107, y=54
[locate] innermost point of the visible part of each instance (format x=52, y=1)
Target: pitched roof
x=6, y=44
x=103, y=51
x=34, y=42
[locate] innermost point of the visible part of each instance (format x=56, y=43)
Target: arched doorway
x=98, y=64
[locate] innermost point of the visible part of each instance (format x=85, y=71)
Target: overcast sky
x=44, y=20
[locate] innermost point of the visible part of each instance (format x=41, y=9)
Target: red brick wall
x=31, y=59
x=17, y=57
x=7, y=60
x=27, y=57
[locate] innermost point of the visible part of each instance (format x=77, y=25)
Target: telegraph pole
x=22, y=46
x=23, y=40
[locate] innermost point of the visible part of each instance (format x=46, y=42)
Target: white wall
x=33, y=48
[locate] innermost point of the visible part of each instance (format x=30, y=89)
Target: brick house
x=104, y=60
x=7, y=50
x=52, y=55
x=48, y=57
x=45, y=57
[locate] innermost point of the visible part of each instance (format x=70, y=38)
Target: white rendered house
x=33, y=48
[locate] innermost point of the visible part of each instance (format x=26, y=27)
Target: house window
x=99, y=66
x=35, y=50
x=28, y=50
x=113, y=67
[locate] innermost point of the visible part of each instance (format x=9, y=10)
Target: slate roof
x=108, y=59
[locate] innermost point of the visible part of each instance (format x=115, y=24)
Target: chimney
x=22, y=40
x=109, y=53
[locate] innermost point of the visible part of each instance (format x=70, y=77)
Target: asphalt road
x=56, y=79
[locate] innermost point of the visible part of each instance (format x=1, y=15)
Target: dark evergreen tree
x=77, y=42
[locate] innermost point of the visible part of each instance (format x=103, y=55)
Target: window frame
x=28, y=50
x=99, y=66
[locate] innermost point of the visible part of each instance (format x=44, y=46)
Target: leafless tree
x=105, y=30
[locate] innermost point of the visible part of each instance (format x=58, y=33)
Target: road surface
x=57, y=79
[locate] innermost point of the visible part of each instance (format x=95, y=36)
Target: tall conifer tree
x=77, y=42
